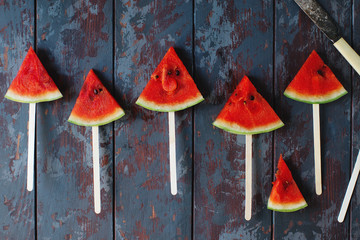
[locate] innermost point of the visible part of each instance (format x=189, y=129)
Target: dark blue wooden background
x=219, y=42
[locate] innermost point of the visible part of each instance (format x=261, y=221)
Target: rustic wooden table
x=219, y=42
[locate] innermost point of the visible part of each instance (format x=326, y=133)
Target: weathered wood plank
x=296, y=36
x=145, y=208
x=232, y=38
x=17, y=204
x=355, y=207
x=73, y=37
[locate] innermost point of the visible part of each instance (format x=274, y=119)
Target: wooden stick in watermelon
x=248, y=176
x=96, y=168
x=315, y=83
x=170, y=89
x=94, y=107
x=247, y=113
x=31, y=85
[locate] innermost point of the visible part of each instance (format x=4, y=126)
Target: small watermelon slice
x=315, y=83
x=171, y=88
x=285, y=195
x=32, y=84
x=95, y=106
x=247, y=112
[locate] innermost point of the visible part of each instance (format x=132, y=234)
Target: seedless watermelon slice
x=32, y=84
x=285, y=195
x=247, y=112
x=95, y=106
x=315, y=83
x=171, y=88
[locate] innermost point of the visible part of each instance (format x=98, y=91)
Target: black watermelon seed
x=177, y=72
x=320, y=72
x=96, y=91
x=252, y=97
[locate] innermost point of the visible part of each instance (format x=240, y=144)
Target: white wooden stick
x=349, y=190
x=317, y=148
x=31, y=147
x=248, y=177
x=172, y=151
x=96, y=169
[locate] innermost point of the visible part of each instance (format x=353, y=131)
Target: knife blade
x=324, y=22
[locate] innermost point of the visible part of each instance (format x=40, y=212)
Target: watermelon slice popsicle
x=247, y=113
x=170, y=89
x=315, y=83
x=31, y=85
x=94, y=107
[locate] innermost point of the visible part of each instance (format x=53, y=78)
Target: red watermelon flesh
x=32, y=83
x=95, y=105
x=285, y=195
x=171, y=88
x=247, y=112
x=315, y=83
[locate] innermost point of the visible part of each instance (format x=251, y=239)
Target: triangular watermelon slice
x=315, y=83
x=171, y=88
x=285, y=195
x=247, y=112
x=95, y=106
x=32, y=84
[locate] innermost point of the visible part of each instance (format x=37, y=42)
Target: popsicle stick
x=31, y=147
x=96, y=169
x=317, y=148
x=172, y=151
x=349, y=190
x=248, y=177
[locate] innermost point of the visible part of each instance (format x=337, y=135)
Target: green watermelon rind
x=117, y=116
x=262, y=129
x=287, y=209
x=17, y=98
x=336, y=95
x=178, y=107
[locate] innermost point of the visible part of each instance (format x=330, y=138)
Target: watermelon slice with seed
x=32, y=84
x=285, y=195
x=247, y=112
x=170, y=88
x=315, y=83
x=95, y=106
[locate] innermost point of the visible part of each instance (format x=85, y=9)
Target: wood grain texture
x=353, y=212
x=232, y=38
x=145, y=208
x=296, y=36
x=73, y=37
x=219, y=42
x=17, y=204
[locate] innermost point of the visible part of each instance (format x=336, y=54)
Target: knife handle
x=349, y=54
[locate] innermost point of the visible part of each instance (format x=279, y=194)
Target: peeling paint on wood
x=219, y=42
x=77, y=38
x=17, y=204
x=229, y=43
x=296, y=37
x=144, y=32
